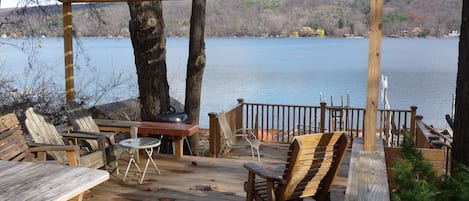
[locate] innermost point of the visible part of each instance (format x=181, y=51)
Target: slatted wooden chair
x=43, y=131
x=248, y=137
x=312, y=163
x=82, y=121
x=14, y=148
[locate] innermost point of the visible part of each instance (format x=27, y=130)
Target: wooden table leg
x=178, y=147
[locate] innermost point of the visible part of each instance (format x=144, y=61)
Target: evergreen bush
x=416, y=179
x=414, y=176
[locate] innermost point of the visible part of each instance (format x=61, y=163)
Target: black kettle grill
x=171, y=116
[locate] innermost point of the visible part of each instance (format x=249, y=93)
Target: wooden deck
x=196, y=178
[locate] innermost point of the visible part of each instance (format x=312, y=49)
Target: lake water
x=420, y=72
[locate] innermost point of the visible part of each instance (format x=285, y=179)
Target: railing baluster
x=357, y=130
x=399, y=125
x=279, y=123
x=288, y=122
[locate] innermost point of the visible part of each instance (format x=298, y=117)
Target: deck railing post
x=214, y=135
x=413, y=113
x=323, y=117
x=419, y=138
x=239, y=114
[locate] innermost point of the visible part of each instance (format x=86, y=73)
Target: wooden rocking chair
x=43, y=131
x=312, y=164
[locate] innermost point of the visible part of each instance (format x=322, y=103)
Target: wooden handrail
x=279, y=123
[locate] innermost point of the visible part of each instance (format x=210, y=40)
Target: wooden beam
x=374, y=60
x=68, y=51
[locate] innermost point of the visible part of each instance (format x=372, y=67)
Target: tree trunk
x=461, y=118
x=195, y=67
x=146, y=28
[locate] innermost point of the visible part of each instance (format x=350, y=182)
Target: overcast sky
x=8, y=3
x=14, y=3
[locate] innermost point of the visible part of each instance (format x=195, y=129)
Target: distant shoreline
x=246, y=37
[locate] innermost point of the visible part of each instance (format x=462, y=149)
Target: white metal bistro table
x=134, y=144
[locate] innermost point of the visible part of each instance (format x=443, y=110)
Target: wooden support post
x=239, y=114
x=419, y=139
x=413, y=113
x=68, y=51
x=374, y=60
x=214, y=136
x=322, y=122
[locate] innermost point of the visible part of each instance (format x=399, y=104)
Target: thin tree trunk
x=195, y=67
x=461, y=118
x=146, y=28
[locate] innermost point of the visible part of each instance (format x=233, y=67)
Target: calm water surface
x=421, y=72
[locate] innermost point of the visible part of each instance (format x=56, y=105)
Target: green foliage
x=265, y=4
x=415, y=175
x=456, y=186
x=424, y=34
x=366, y=9
x=416, y=178
x=57, y=22
x=394, y=18
x=340, y=23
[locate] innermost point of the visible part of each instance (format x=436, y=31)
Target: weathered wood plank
x=353, y=179
x=38, y=181
x=188, y=178
x=367, y=178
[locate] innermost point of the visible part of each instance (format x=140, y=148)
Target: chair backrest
x=312, y=164
x=43, y=131
x=12, y=144
x=226, y=130
x=81, y=120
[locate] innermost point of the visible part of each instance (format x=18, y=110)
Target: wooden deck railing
x=369, y=171
x=280, y=123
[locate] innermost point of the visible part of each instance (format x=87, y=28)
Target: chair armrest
x=101, y=139
x=81, y=135
x=105, y=134
x=262, y=172
x=241, y=135
x=243, y=129
x=42, y=148
x=108, y=135
x=72, y=152
x=246, y=131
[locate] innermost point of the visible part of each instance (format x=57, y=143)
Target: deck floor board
x=195, y=178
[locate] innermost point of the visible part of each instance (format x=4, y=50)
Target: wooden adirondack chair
x=312, y=163
x=14, y=148
x=82, y=121
x=248, y=137
x=43, y=131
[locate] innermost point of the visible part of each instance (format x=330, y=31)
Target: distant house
x=416, y=31
x=453, y=34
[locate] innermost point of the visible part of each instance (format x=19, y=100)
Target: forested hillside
x=250, y=18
